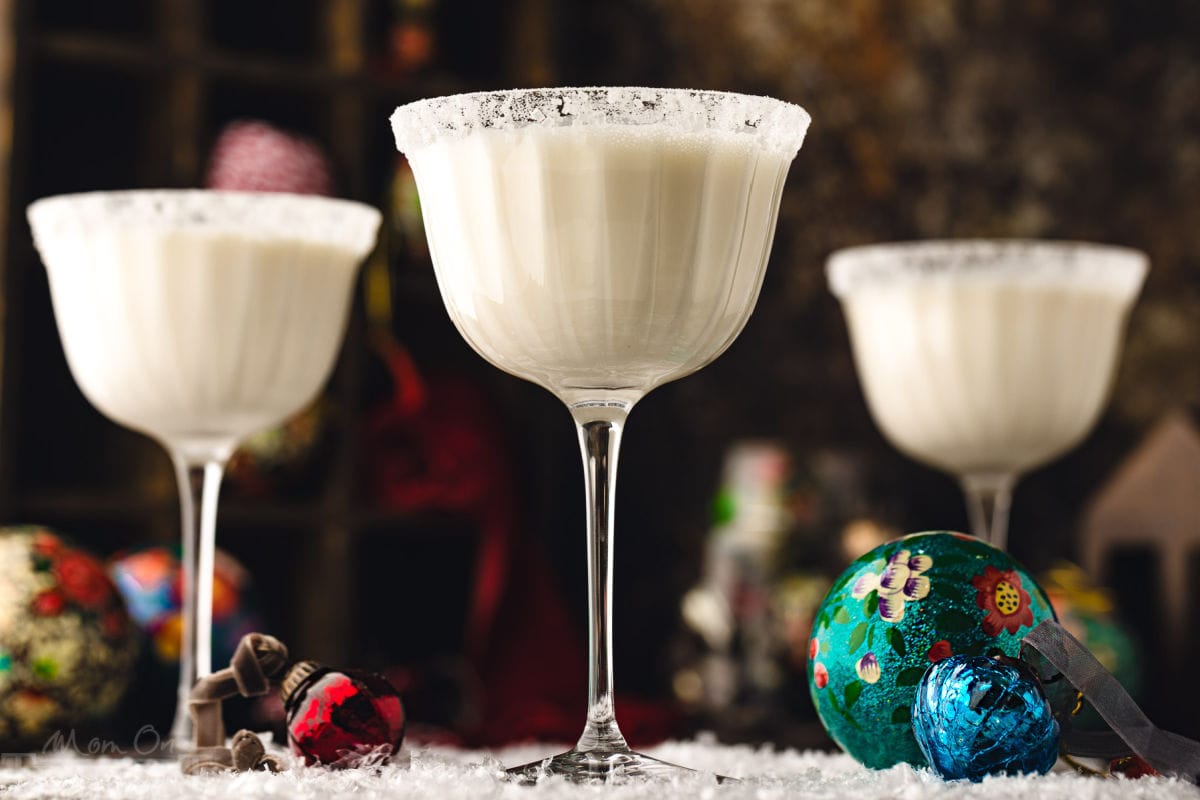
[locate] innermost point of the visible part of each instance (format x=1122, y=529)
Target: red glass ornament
x=1131, y=767
x=341, y=718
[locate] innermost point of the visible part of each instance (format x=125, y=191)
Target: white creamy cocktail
x=198, y=339
x=986, y=358
x=594, y=260
x=600, y=242
x=199, y=318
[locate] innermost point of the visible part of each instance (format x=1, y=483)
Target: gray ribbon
x=257, y=660
x=1132, y=731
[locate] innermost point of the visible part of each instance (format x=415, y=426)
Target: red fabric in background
x=534, y=668
x=435, y=446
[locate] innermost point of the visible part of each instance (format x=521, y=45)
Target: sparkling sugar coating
x=268, y=216
x=1101, y=267
x=767, y=123
x=975, y=716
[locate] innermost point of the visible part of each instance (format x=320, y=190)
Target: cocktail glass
x=198, y=318
x=986, y=358
x=599, y=242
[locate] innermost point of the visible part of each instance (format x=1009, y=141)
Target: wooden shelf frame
x=182, y=71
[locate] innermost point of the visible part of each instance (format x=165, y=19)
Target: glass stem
x=199, y=485
x=988, y=499
x=599, y=428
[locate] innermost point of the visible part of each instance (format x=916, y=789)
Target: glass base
x=596, y=766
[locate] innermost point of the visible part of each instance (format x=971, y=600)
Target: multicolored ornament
x=150, y=580
x=1087, y=610
x=67, y=646
x=895, y=611
x=341, y=718
x=976, y=716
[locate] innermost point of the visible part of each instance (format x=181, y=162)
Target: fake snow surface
x=446, y=774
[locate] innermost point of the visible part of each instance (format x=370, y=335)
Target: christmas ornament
x=250, y=155
x=150, y=580
x=337, y=718
x=976, y=716
x=901, y=607
x=407, y=226
x=282, y=456
x=1088, y=612
x=255, y=156
x=1131, y=767
x=411, y=42
x=67, y=645
x=341, y=717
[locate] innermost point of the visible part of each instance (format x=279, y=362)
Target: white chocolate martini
x=600, y=242
x=986, y=359
x=199, y=318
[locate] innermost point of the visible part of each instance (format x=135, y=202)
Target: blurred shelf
x=263, y=70
x=89, y=47
x=271, y=514
x=150, y=83
x=418, y=283
x=99, y=504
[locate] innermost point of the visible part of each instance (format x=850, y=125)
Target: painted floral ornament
x=895, y=611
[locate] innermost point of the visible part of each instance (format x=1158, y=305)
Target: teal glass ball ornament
x=895, y=611
x=976, y=716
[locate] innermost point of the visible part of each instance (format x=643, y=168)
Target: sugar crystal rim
x=774, y=125
x=257, y=215
x=1113, y=267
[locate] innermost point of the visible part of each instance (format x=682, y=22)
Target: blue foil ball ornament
x=975, y=716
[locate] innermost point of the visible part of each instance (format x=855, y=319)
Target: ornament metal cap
x=296, y=675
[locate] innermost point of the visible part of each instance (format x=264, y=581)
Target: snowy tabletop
x=447, y=774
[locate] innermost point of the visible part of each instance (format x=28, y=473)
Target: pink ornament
x=253, y=156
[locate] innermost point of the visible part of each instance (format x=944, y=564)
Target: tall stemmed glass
x=198, y=318
x=600, y=242
x=986, y=358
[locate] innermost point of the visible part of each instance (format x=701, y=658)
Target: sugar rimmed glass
x=600, y=242
x=986, y=358
x=197, y=318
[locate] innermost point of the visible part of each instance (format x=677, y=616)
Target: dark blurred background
x=932, y=118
